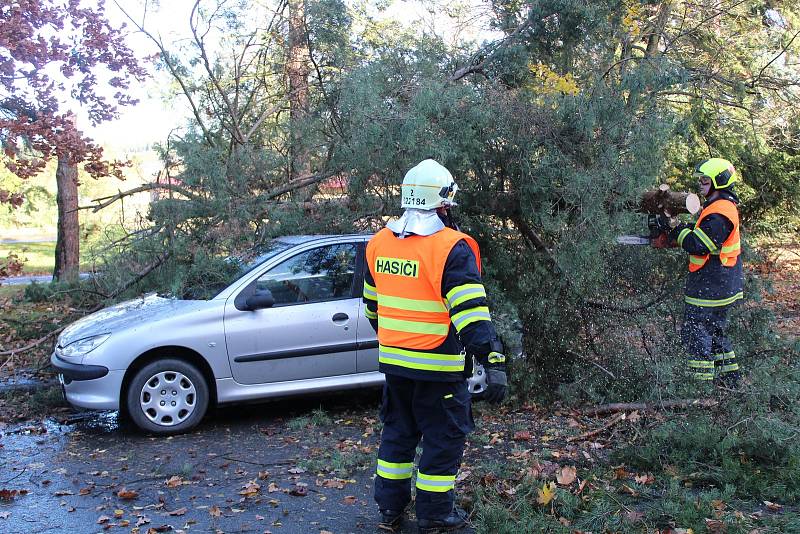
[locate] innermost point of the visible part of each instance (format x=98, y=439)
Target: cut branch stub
x=662, y=201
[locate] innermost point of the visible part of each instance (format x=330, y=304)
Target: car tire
x=167, y=396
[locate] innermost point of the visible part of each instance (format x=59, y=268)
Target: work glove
x=663, y=225
x=497, y=385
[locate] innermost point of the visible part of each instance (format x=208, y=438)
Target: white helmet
x=427, y=186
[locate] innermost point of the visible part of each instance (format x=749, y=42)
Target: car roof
x=300, y=239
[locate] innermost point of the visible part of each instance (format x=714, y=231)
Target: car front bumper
x=89, y=386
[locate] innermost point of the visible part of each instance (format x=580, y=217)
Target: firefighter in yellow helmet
x=424, y=296
x=715, y=280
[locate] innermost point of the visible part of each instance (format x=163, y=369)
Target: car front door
x=310, y=331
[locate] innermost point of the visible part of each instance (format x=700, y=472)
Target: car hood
x=131, y=313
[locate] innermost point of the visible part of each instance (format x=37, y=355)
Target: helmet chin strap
x=446, y=215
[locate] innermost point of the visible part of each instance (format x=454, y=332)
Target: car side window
x=324, y=273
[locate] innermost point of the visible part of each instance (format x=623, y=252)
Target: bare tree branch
x=174, y=72
x=104, y=202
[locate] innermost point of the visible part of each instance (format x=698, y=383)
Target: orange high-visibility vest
x=408, y=279
x=731, y=248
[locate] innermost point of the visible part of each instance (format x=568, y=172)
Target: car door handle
x=340, y=317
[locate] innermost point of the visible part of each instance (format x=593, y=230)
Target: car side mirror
x=262, y=298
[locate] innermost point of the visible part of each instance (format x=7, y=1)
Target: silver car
x=290, y=323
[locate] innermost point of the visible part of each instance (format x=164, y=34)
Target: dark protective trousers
x=710, y=351
x=439, y=414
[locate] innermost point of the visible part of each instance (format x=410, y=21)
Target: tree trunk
x=298, y=69
x=658, y=28
x=68, y=240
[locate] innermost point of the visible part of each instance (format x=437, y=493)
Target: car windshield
x=207, y=284
x=254, y=257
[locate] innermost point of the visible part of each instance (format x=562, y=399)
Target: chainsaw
x=659, y=202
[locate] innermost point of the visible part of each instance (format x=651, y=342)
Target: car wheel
x=167, y=396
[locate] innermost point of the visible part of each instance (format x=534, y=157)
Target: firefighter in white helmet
x=424, y=296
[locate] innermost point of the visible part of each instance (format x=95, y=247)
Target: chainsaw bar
x=635, y=240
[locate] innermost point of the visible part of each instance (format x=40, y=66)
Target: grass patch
x=27, y=404
x=299, y=423
x=608, y=504
x=318, y=417
x=38, y=258
x=342, y=464
x=11, y=292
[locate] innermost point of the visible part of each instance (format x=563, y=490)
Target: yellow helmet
x=720, y=171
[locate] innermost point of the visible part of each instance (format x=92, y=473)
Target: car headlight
x=84, y=346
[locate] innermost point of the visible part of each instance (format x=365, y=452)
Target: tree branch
x=174, y=72
x=298, y=183
x=653, y=406
x=107, y=201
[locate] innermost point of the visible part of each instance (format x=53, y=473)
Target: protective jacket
x=425, y=299
x=715, y=265
x=423, y=293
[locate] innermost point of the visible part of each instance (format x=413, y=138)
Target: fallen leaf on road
x=263, y=475
x=61, y=493
x=7, y=494
x=174, y=481
x=214, y=511
x=127, y=494
x=250, y=489
x=336, y=483
x=298, y=491
x=179, y=511
x=118, y=513
x=350, y=499
x=5, y=515
x=103, y=519
x=143, y=520
x=85, y=491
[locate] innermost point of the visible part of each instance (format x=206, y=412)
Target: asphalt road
x=260, y=468
x=23, y=280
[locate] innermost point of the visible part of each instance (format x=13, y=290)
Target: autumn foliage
x=50, y=48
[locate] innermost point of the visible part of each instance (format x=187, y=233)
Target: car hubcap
x=168, y=398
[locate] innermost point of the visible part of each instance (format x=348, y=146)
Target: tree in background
x=298, y=68
x=47, y=48
x=248, y=164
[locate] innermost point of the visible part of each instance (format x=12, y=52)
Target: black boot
x=391, y=519
x=456, y=520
